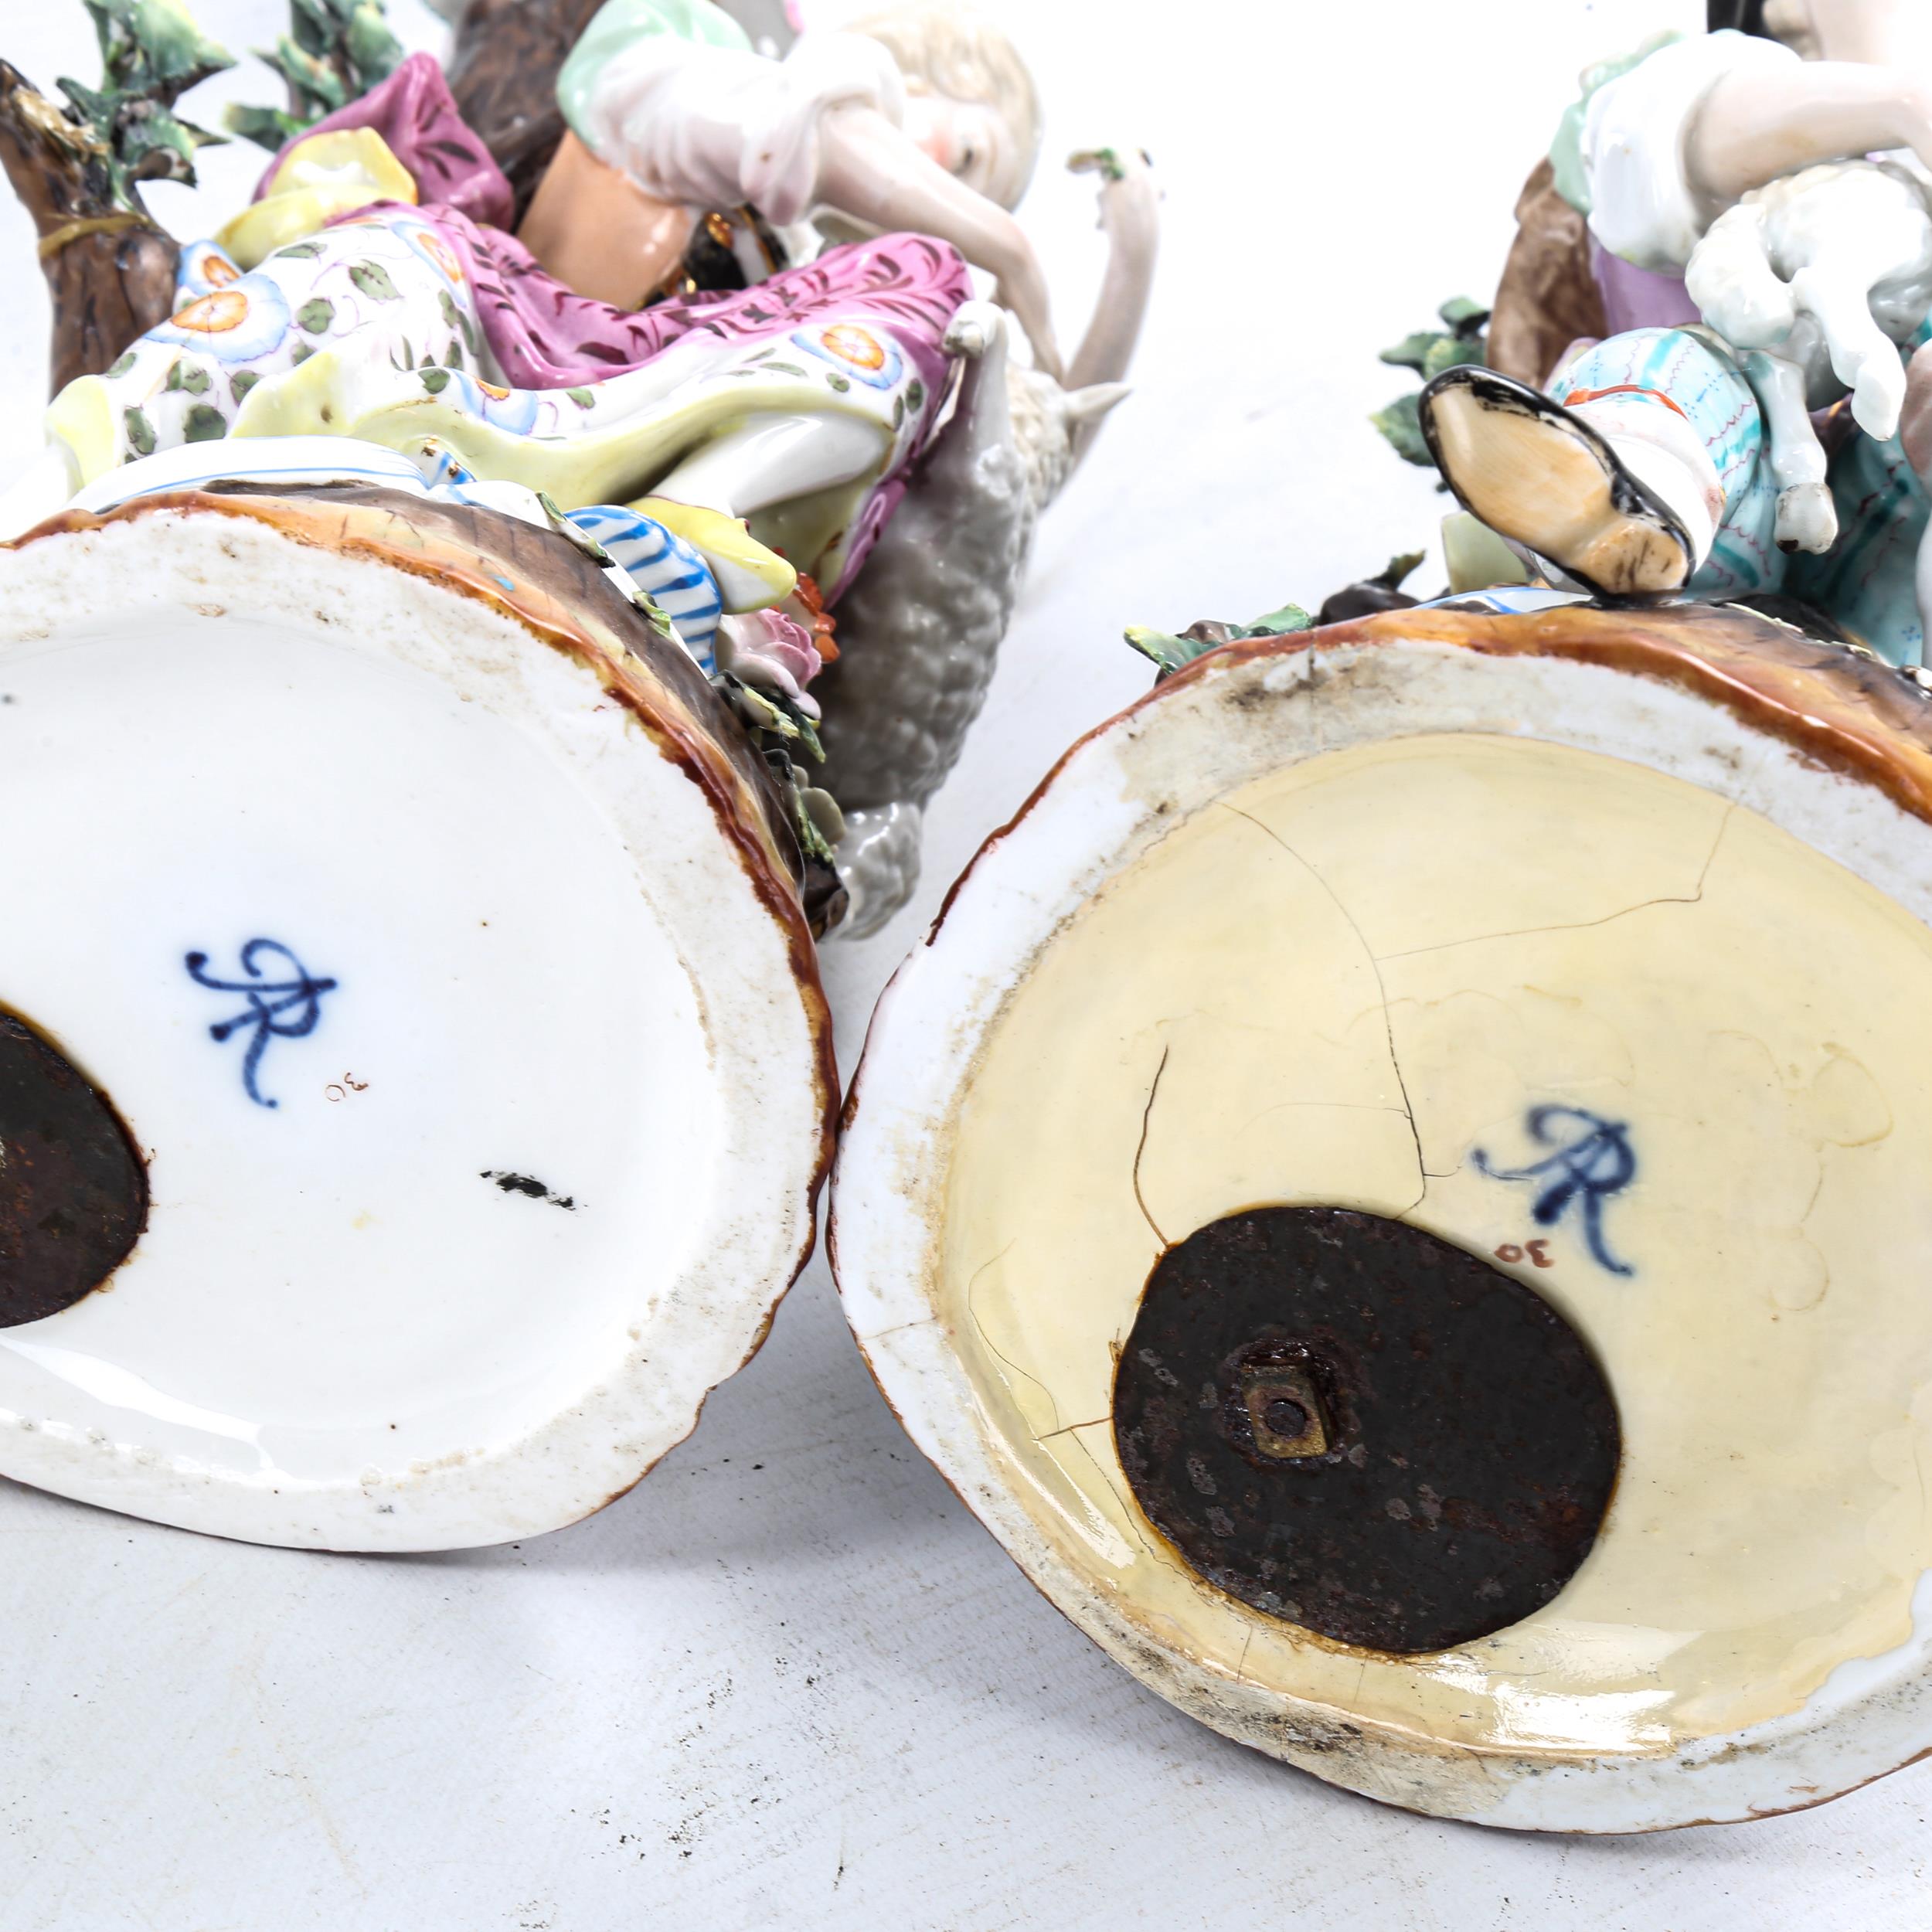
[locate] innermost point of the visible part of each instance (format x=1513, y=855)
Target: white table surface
x=788, y=1681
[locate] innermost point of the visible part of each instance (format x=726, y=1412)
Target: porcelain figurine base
x=1592, y=944
x=423, y=915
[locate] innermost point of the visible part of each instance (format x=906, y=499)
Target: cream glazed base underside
x=460, y=1262
x=1323, y=929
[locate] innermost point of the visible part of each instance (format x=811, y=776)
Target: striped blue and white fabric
x=663, y=564
x=1866, y=584
x=657, y=561
x=1690, y=373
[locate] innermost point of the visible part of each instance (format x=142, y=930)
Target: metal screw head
x=1284, y=1410
x=1286, y=1416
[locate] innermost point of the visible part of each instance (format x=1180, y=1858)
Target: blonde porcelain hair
x=949, y=51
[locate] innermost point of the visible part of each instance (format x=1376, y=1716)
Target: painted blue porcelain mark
x=279, y=1008
x=1590, y=1161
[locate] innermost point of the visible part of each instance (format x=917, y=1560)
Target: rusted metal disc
x=1357, y=1428
x=74, y=1189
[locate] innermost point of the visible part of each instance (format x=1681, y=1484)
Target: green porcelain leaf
x=151, y=52
x=334, y=50
x=1429, y=352
x=1451, y=351
x=1167, y=651
x=1290, y=617
x=810, y=837
x=1412, y=351
x=268, y=127
x=1463, y=315
x=372, y=279
x=1401, y=424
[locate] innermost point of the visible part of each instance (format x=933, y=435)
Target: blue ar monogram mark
x=1590, y=1161
x=286, y=1006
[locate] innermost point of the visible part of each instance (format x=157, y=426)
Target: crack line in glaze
x=1407, y=1109
x=1698, y=858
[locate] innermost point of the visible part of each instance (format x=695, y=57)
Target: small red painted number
x=341, y=1090
x=1538, y=1251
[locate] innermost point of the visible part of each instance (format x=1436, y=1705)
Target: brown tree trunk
x=110, y=272
x=503, y=71
x=1548, y=297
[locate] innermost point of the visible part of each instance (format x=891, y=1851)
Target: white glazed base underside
x=1115, y=800
x=466, y=1260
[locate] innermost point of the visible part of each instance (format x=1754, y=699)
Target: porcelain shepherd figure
x=1753, y=265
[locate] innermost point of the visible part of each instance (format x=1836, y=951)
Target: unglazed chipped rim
x=493, y=610
x=1834, y=749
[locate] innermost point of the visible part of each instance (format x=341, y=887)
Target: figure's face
x=970, y=140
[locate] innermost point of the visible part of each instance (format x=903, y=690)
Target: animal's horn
x=1090, y=404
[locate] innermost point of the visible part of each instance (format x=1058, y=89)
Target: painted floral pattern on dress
x=379, y=289
x=434, y=327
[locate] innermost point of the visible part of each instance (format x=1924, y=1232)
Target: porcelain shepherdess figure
x=765, y=433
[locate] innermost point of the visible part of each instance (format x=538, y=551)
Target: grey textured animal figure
x=919, y=630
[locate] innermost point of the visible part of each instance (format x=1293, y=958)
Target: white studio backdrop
x=789, y=1682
